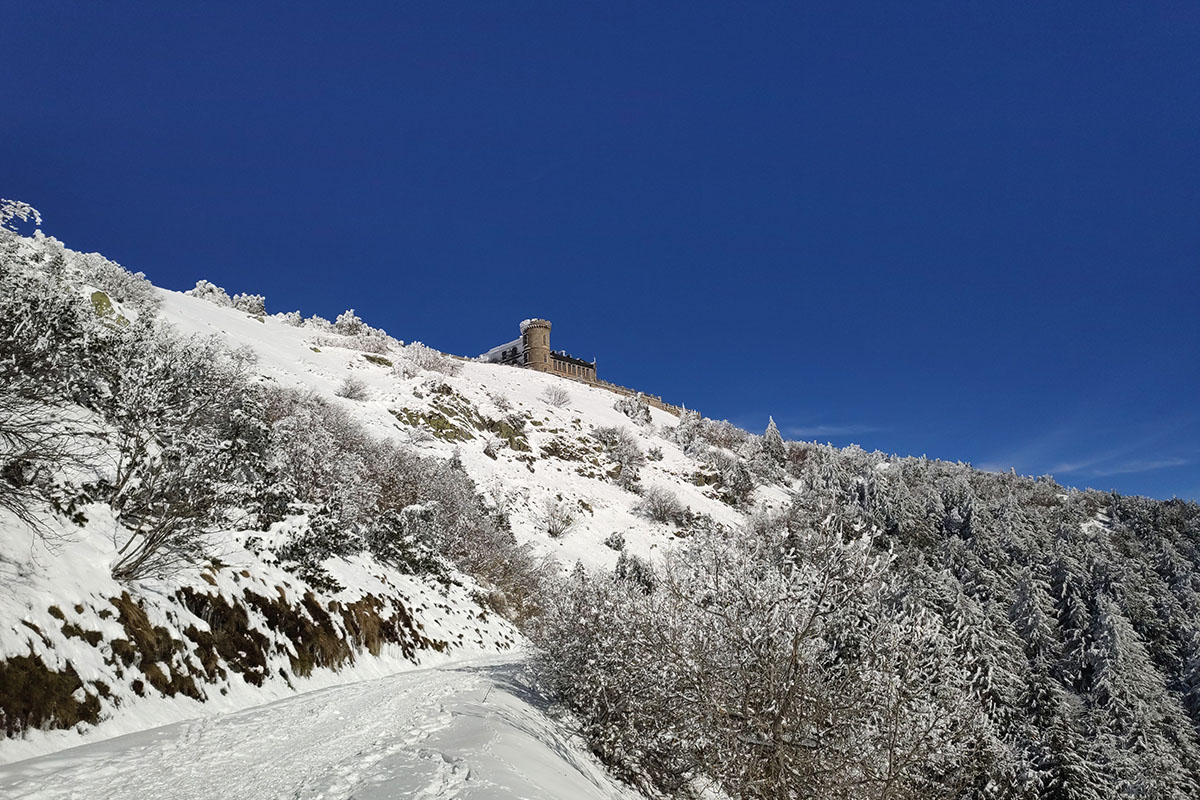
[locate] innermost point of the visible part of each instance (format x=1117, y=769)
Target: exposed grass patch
x=378, y=360
x=315, y=639
x=229, y=638
x=34, y=696
x=151, y=645
x=312, y=633
x=73, y=631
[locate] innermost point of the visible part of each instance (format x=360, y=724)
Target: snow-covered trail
x=460, y=731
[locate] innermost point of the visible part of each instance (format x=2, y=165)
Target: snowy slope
x=63, y=617
x=521, y=486
x=466, y=731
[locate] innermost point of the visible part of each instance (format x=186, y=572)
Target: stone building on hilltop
x=532, y=350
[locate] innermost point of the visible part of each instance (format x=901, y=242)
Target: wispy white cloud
x=1141, y=465
x=1080, y=465
x=829, y=430
x=1069, y=451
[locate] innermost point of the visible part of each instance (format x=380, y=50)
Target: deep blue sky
x=965, y=230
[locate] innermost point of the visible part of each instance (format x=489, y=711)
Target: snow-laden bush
x=661, y=505
x=635, y=571
x=764, y=664
x=206, y=290
x=556, y=396
x=51, y=351
x=293, y=318
x=500, y=401
x=348, y=323
x=363, y=343
x=352, y=388
x=634, y=407
x=129, y=288
x=615, y=541
x=621, y=447
x=693, y=429
x=319, y=324
x=559, y=518
x=491, y=447
x=189, y=432
x=16, y=209
x=254, y=304
x=737, y=482
x=408, y=539
x=415, y=358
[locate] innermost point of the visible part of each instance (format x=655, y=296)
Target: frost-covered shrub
x=53, y=354
x=737, y=483
x=772, y=443
x=636, y=571
x=348, y=323
x=621, y=447
x=416, y=357
x=694, y=429
x=723, y=433
x=408, y=539
x=352, y=388
x=635, y=408
x=370, y=341
x=688, y=429
x=655, y=453
x=615, y=541
x=319, y=324
x=129, y=288
x=556, y=396
x=762, y=664
x=500, y=401
x=362, y=343
x=254, y=304
x=51, y=344
x=320, y=450
x=293, y=318
x=559, y=518
x=310, y=540
x=205, y=290
x=661, y=505
x=17, y=209
x=190, y=432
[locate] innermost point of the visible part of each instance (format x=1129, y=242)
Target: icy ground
x=467, y=730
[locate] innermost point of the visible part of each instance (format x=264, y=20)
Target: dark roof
x=560, y=355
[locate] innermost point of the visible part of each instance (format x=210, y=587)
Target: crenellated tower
x=535, y=344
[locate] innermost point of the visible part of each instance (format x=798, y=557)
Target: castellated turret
x=532, y=351
x=535, y=344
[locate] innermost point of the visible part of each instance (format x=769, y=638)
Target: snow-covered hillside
x=585, y=477
x=205, y=508
x=558, y=460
